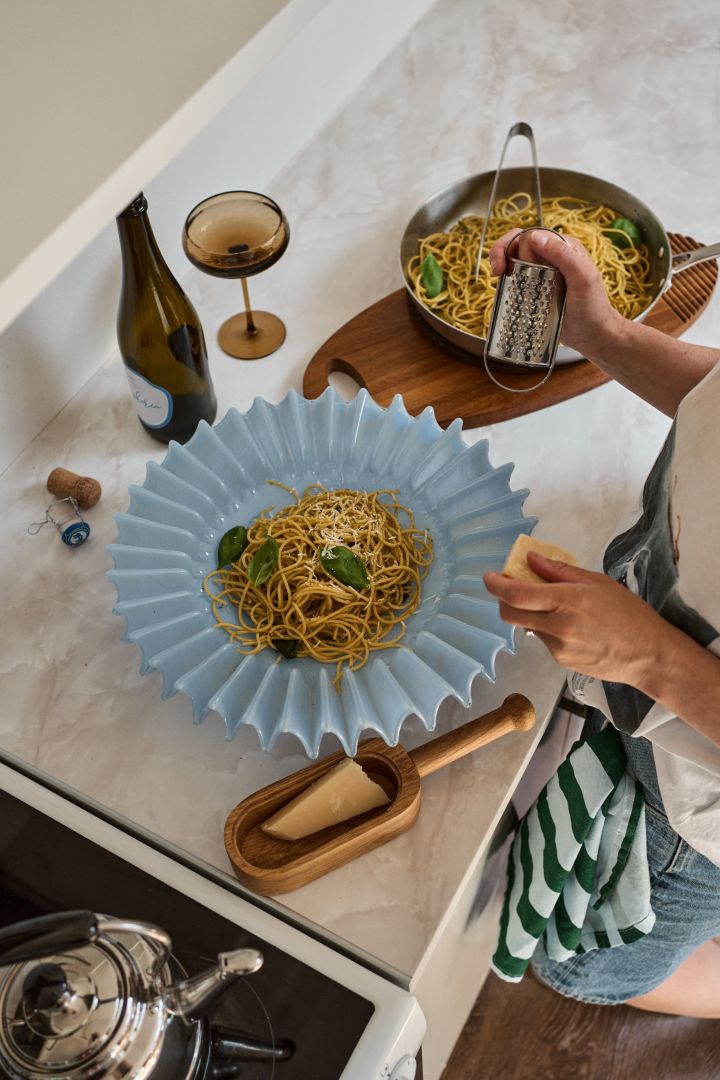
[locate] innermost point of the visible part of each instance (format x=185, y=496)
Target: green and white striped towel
x=577, y=872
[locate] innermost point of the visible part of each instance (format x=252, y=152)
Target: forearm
x=684, y=677
x=595, y=626
x=658, y=368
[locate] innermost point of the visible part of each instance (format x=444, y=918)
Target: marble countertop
x=73, y=702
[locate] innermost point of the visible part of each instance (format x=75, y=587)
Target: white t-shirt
x=669, y=557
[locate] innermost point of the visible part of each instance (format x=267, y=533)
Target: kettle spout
x=194, y=997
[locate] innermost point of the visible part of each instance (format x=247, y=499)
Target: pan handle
x=515, y=714
x=683, y=259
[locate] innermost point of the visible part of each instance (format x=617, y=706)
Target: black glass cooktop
x=46, y=867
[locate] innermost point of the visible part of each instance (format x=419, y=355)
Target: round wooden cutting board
x=389, y=350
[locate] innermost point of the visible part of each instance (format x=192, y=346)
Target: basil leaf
x=232, y=545
x=263, y=562
x=625, y=233
x=432, y=276
x=287, y=646
x=345, y=566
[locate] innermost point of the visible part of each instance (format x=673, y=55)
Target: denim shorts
x=685, y=896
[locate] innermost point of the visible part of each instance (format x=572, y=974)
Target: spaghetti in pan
x=452, y=293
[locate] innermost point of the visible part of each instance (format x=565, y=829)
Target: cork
x=63, y=484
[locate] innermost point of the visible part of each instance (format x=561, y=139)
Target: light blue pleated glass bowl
x=167, y=543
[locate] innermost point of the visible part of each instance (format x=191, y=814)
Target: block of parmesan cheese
x=516, y=565
x=341, y=793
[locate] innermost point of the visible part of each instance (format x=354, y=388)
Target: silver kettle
x=108, y=1001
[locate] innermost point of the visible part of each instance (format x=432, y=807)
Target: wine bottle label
x=153, y=404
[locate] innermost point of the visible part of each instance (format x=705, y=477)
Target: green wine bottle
x=160, y=337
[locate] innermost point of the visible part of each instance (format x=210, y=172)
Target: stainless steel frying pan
x=470, y=196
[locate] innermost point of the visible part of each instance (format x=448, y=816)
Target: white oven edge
x=396, y=1028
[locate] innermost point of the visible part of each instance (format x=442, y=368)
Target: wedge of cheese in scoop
x=516, y=564
x=343, y=791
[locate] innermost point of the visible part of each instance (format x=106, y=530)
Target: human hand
x=589, y=622
x=591, y=323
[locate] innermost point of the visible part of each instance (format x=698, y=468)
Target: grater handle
x=518, y=389
x=521, y=128
x=488, y=372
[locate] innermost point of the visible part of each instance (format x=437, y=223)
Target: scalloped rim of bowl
x=165, y=547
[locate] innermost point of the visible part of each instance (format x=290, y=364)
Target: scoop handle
x=515, y=714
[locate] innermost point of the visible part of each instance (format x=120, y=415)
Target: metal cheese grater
x=527, y=312
x=530, y=298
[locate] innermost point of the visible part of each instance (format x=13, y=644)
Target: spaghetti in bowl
x=168, y=545
x=334, y=576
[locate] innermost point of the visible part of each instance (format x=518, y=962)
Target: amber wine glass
x=234, y=235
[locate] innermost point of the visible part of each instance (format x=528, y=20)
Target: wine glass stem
x=250, y=325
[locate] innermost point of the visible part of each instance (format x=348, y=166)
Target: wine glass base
x=269, y=334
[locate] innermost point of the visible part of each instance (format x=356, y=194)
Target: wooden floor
x=528, y=1032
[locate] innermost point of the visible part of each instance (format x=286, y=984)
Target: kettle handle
x=45, y=935
x=66, y=930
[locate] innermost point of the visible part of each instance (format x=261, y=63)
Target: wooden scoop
x=269, y=866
